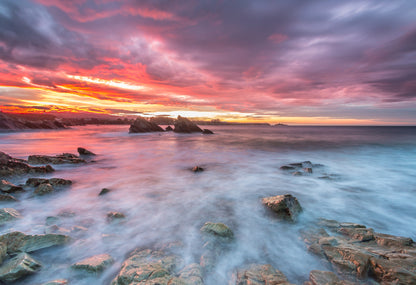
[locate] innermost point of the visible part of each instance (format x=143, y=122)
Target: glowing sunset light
x=247, y=61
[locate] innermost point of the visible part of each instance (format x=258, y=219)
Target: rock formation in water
x=57, y=159
x=285, y=206
x=13, y=166
x=14, y=122
x=184, y=125
x=83, y=151
x=141, y=125
x=94, y=264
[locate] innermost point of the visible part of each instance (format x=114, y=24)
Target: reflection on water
x=372, y=182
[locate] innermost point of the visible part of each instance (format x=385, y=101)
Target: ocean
x=367, y=175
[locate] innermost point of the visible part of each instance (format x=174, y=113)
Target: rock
x=359, y=234
x=36, y=181
x=23, y=121
x=111, y=216
x=12, y=166
x=19, y=242
x=104, y=191
x=149, y=267
x=94, y=264
x=83, y=151
x=3, y=252
x=392, y=241
x=57, y=282
x=8, y=214
x=141, y=125
x=7, y=198
x=43, y=189
x=217, y=230
x=59, y=182
x=207, y=132
x=393, y=271
x=54, y=229
x=287, y=167
x=184, y=125
x=57, y=159
x=169, y=129
x=318, y=277
x=285, y=206
x=19, y=266
x=297, y=173
x=8, y=187
x=258, y=274
x=192, y=275
x=308, y=170
x=197, y=169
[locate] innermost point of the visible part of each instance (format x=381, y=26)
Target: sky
x=296, y=62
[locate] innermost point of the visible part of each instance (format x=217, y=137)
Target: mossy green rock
x=19, y=266
x=217, y=229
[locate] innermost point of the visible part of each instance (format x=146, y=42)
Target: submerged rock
x=285, y=206
x=141, y=125
x=259, y=274
x=19, y=242
x=7, y=198
x=111, y=216
x=184, y=125
x=12, y=166
x=52, y=181
x=197, y=169
x=217, y=230
x=43, y=189
x=8, y=187
x=104, y=191
x=94, y=264
x=83, y=151
x=57, y=159
x=8, y=214
x=19, y=266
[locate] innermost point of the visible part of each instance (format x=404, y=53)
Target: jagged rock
x=12, y=166
x=19, y=266
x=392, y=241
x=318, y=277
x=8, y=214
x=169, y=129
x=197, y=169
x=207, y=132
x=217, y=230
x=56, y=282
x=57, y=159
x=7, y=198
x=94, y=264
x=285, y=206
x=52, y=181
x=43, y=189
x=141, y=125
x=83, y=151
x=149, y=267
x=8, y=187
x=258, y=274
x=20, y=242
x=104, y=191
x=36, y=181
x=111, y=216
x=184, y=125
x=359, y=234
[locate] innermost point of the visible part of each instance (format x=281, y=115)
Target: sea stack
x=141, y=125
x=184, y=125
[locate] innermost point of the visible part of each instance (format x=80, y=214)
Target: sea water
x=367, y=176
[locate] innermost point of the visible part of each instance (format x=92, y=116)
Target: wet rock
x=392, y=241
x=3, y=252
x=297, y=173
x=308, y=170
x=57, y=159
x=169, y=129
x=59, y=182
x=12, y=166
x=34, y=182
x=217, y=230
x=359, y=234
x=287, y=167
x=184, y=125
x=18, y=267
x=394, y=271
x=317, y=277
x=149, y=267
x=43, y=189
x=207, y=132
x=141, y=125
x=57, y=282
x=83, y=151
x=7, y=198
x=197, y=169
x=8, y=187
x=259, y=274
x=94, y=264
x=8, y=215
x=112, y=216
x=285, y=206
x=104, y=191
x=192, y=275
x=19, y=242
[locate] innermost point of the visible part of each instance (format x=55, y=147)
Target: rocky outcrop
x=6, y=186
x=43, y=189
x=184, y=125
x=360, y=252
x=19, y=242
x=300, y=168
x=217, y=230
x=83, y=151
x=57, y=159
x=12, y=166
x=8, y=215
x=169, y=129
x=259, y=274
x=207, y=132
x=94, y=264
x=285, y=206
x=7, y=198
x=18, y=267
x=104, y=191
x=34, y=182
x=18, y=122
x=317, y=277
x=141, y=125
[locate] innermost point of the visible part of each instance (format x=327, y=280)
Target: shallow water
x=373, y=172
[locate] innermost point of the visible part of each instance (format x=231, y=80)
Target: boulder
x=83, y=151
x=44, y=189
x=285, y=206
x=318, y=277
x=207, y=132
x=12, y=166
x=104, y=191
x=19, y=242
x=141, y=125
x=7, y=198
x=8, y=214
x=57, y=159
x=18, y=267
x=184, y=125
x=257, y=274
x=111, y=216
x=197, y=169
x=217, y=230
x=8, y=187
x=169, y=129
x=94, y=264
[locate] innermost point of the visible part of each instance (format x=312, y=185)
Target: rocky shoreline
x=354, y=253
x=181, y=125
